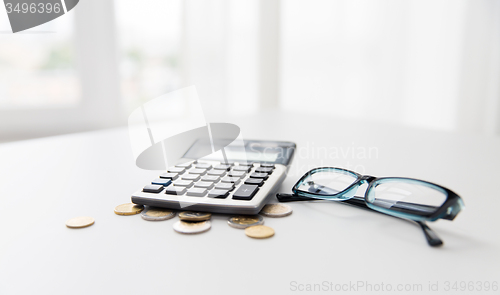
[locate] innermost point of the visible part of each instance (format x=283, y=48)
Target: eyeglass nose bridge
x=353, y=189
x=367, y=178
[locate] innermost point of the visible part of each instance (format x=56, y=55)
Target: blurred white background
x=431, y=64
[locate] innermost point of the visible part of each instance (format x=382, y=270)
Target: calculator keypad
x=218, y=181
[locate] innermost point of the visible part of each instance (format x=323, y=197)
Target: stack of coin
x=193, y=222
x=245, y=221
x=157, y=214
x=128, y=209
x=194, y=216
x=187, y=227
x=197, y=222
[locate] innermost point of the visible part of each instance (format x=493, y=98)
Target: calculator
x=236, y=180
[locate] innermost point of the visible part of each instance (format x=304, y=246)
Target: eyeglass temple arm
x=432, y=238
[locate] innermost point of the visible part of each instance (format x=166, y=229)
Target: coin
x=128, y=209
x=245, y=221
x=259, y=232
x=157, y=214
x=79, y=222
x=187, y=227
x=194, y=216
x=276, y=210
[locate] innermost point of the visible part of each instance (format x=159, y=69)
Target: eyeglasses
x=407, y=198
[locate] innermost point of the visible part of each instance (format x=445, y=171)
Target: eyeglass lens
x=406, y=196
x=327, y=182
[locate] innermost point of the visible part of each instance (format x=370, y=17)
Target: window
x=149, y=42
x=38, y=66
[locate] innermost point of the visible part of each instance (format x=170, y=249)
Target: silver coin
x=276, y=210
x=157, y=214
x=187, y=227
x=245, y=221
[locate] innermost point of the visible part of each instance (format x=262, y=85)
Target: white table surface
x=44, y=182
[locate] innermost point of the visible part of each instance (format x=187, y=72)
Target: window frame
x=100, y=105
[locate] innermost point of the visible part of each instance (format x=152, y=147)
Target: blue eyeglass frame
x=450, y=208
x=452, y=205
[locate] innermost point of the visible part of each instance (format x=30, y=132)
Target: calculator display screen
x=251, y=150
x=236, y=155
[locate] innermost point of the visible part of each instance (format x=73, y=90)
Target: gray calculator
x=239, y=182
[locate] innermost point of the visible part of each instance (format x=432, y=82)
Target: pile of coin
x=245, y=221
x=193, y=222
x=157, y=214
x=197, y=222
x=128, y=209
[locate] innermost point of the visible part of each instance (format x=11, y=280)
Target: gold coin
x=79, y=222
x=259, y=232
x=194, y=216
x=245, y=221
x=276, y=210
x=157, y=214
x=128, y=209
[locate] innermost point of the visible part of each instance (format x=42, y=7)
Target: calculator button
x=222, y=167
x=259, y=175
x=242, y=168
x=267, y=165
x=198, y=171
x=254, y=181
x=264, y=170
x=225, y=186
x=196, y=192
x=175, y=190
x=230, y=163
x=172, y=176
x=176, y=169
x=185, y=165
x=162, y=181
x=203, y=166
x=239, y=174
x=186, y=183
x=193, y=177
x=152, y=188
x=217, y=172
x=218, y=193
x=211, y=178
x=234, y=180
x=248, y=164
x=204, y=184
x=245, y=192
